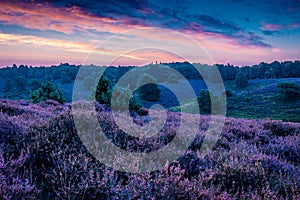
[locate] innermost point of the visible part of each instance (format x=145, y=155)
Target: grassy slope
x=259, y=100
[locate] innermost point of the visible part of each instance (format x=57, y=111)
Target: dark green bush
x=122, y=94
x=35, y=84
x=103, y=95
x=204, y=102
x=47, y=92
x=288, y=90
x=148, y=92
x=241, y=80
x=103, y=92
x=228, y=93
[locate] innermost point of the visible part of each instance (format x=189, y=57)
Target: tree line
x=67, y=72
x=17, y=81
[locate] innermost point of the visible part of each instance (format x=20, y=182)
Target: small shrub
x=148, y=92
x=103, y=95
x=35, y=84
x=241, y=80
x=47, y=92
x=228, y=93
x=204, y=102
x=122, y=94
x=288, y=90
x=103, y=92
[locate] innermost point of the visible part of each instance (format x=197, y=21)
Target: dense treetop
x=67, y=72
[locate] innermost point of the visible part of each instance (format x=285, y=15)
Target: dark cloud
x=250, y=38
x=272, y=33
x=209, y=24
x=214, y=23
x=289, y=5
x=247, y=19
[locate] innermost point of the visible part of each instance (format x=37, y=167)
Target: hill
x=256, y=101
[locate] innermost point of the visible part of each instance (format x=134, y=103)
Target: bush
x=35, y=84
x=122, y=94
x=103, y=92
x=204, y=102
x=241, y=80
x=148, y=92
x=228, y=93
x=288, y=90
x=47, y=92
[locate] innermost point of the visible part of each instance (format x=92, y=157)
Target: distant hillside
x=257, y=100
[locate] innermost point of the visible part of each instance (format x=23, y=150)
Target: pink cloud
x=278, y=27
x=27, y=47
x=66, y=20
x=293, y=25
x=272, y=27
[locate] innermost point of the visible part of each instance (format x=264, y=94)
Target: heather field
x=150, y=100
x=42, y=157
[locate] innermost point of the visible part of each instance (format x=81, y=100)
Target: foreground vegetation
x=41, y=156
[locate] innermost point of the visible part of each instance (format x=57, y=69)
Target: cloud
x=270, y=29
x=13, y=39
x=213, y=27
x=114, y=17
x=66, y=19
x=289, y=5
x=61, y=45
x=226, y=36
x=212, y=23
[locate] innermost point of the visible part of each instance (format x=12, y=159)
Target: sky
x=132, y=32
